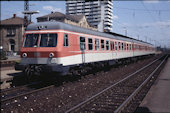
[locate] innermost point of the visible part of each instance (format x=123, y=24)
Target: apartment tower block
x=98, y=13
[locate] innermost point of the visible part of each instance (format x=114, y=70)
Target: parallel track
x=116, y=97
x=11, y=94
x=24, y=93
x=7, y=93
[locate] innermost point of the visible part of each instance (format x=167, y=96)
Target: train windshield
x=48, y=40
x=31, y=40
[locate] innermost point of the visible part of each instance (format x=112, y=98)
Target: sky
x=147, y=20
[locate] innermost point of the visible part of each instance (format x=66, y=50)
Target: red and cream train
x=56, y=46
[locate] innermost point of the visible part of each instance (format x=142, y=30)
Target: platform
x=6, y=76
x=157, y=99
x=9, y=63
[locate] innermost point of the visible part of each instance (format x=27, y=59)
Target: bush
x=3, y=55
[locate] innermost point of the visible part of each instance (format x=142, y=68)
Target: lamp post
x=29, y=13
x=125, y=31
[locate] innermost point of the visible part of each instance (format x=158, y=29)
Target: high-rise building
x=98, y=13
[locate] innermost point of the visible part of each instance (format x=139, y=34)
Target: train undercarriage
x=31, y=70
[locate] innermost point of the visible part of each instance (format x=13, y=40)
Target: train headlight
x=51, y=55
x=24, y=55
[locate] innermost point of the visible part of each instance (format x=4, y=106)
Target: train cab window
x=65, y=43
x=102, y=44
x=48, y=40
x=31, y=40
x=82, y=43
x=119, y=45
x=115, y=45
x=90, y=44
x=96, y=44
x=107, y=45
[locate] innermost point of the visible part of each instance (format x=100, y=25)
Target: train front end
x=39, y=52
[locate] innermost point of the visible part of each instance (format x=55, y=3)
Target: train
x=60, y=47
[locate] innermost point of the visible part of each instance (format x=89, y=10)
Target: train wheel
x=29, y=72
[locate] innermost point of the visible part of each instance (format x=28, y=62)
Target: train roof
x=60, y=25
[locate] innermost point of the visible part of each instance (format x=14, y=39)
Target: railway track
x=18, y=94
x=121, y=96
x=11, y=94
x=14, y=91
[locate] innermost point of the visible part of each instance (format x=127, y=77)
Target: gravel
x=69, y=94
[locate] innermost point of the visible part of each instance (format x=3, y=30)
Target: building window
x=102, y=44
x=82, y=43
x=12, y=45
x=96, y=44
x=65, y=44
x=90, y=44
x=107, y=45
x=11, y=31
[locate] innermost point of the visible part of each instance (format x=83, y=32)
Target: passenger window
x=65, y=44
x=127, y=46
x=130, y=46
x=122, y=46
x=115, y=45
x=102, y=44
x=107, y=45
x=111, y=45
x=82, y=43
x=119, y=45
x=90, y=44
x=96, y=44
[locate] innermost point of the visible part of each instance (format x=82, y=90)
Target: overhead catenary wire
x=133, y=9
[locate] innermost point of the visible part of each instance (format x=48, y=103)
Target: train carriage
x=56, y=46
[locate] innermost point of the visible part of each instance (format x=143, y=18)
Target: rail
x=121, y=107
x=129, y=98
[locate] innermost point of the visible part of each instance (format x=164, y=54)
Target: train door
x=83, y=48
x=133, y=48
x=111, y=48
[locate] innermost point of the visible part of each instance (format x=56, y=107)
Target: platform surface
x=8, y=74
x=158, y=98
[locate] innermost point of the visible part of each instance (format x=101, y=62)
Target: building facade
x=12, y=31
x=98, y=13
x=77, y=20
